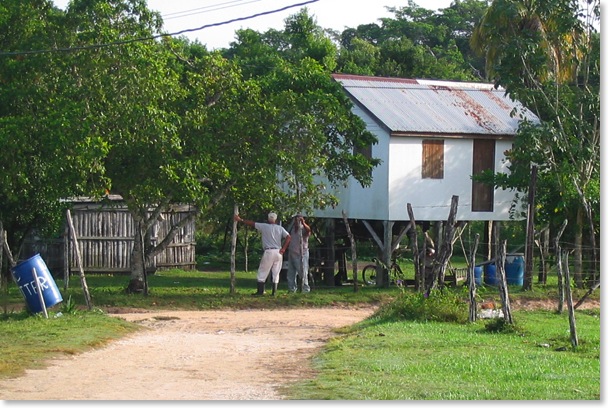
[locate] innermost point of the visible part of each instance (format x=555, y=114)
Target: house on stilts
x=433, y=136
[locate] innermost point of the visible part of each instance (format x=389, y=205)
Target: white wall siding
x=369, y=203
x=431, y=198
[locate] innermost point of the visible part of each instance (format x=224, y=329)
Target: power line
x=207, y=9
x=153, y=37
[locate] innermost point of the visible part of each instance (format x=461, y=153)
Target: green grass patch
x=196, y=290
x=29, y=341
x=395, y=356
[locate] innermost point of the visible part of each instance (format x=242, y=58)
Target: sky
x=180, y=15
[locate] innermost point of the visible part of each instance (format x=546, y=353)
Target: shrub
x=440, y=306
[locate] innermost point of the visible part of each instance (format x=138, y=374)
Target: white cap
x=272, y=216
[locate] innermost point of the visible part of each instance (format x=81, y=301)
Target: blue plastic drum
x=490, y=275
x=478, y=270
x=23, y=275
x=514, y=269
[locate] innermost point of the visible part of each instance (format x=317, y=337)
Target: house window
x=483, y=159
x=432, y=159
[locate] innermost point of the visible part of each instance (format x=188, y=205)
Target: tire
x=369, y=275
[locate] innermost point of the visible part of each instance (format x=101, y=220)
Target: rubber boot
x=275, y=287
x=260, y=291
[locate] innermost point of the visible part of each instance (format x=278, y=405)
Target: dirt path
x=206, y=355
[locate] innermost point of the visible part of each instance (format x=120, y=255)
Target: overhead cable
x=153, y=37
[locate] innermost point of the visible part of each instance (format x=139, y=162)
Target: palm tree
x=515, y=30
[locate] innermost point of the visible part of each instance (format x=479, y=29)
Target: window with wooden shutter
x=483, y=159
x=432, y=159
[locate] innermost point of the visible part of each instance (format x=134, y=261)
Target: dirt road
x=186, y=355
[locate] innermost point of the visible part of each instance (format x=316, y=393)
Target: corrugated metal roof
x=429, y=106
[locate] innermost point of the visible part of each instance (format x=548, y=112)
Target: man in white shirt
x=272, y=259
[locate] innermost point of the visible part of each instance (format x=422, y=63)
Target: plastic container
x=24, y=278
x=514, y=269
x=478, y=270
x=490, y=275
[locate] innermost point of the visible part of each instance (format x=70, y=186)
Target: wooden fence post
x=83, y=280
x=233, y=251
x=447, y=245
x=558, y=264
x=529, y=253
x=502, y=282
x=471, y=282
x=571, y=318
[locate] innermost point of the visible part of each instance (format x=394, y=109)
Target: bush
x=440, y=306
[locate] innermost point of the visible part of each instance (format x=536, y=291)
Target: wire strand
x=153, y=37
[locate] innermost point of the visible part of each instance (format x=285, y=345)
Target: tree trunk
x=137, y=281
x=143, y=225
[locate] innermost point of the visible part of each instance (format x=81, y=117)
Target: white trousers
x=272, y=261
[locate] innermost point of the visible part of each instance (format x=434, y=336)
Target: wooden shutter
x=432, y=159
x=483, y=159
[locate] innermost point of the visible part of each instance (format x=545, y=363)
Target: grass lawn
x=412, y=360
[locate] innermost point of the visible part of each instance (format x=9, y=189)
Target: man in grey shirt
x=297, y=259
x=272, y=259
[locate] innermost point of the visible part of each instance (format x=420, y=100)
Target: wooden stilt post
x=418, y=270
x=353, y=249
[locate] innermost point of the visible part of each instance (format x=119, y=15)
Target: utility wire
x=153, y=37
x=207, y=9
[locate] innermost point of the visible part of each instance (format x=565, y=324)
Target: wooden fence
x=105, y=237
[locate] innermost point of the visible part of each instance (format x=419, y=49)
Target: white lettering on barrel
x=42, y=282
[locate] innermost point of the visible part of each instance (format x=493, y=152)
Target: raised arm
x=237, y=218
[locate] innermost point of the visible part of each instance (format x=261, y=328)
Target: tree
x=45, y=157
x=545, y=55
x=314, y=136
x=417, y=43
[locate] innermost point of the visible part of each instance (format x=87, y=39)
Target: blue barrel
x=514, y=269
x=478, y=273
x=490, y=275
x=23, y=275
